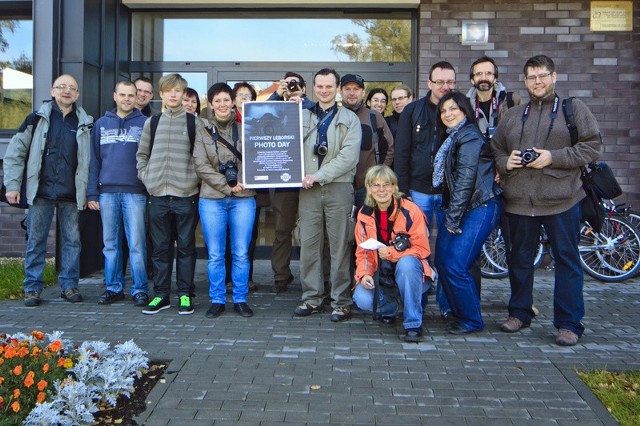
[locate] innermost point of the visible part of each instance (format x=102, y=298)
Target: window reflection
x=158, y=37
x=16, y=72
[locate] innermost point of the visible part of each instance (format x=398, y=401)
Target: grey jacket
x=344, y=136
x=35, y=141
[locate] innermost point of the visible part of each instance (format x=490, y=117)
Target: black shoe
x=387, y=320
x=414, y=335
x=72, y=295
x=243, y=309
x=306, y=309
x=186, y=307
x=281, y=285
x=215, y=310
x=32, y=298
x=456, y=328
x=108, y=297
x=156, y=305
x=140, y=299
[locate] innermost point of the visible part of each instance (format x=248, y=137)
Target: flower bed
x=45, y=380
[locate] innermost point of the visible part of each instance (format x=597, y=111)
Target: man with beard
x=376, y=146
x=545, y=191
x=490, y=99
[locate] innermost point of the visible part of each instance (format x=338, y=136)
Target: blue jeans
x=164, y=212
x=116, y=208
x=238, y=214
x=431, y=206
x=563, y=230
x=409, y=279
x=38, y=224
x=455, y=254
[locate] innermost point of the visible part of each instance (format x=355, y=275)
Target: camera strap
x=320, y=123
x=553, y=115
x=215, y=137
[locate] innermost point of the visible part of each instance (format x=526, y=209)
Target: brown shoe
x=513, y=324
x=566, y=337
x=281, y=285
x=253, y=286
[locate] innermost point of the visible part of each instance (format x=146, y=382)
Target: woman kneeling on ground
x=399, y=266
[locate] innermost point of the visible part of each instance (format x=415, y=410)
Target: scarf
x=438, y=163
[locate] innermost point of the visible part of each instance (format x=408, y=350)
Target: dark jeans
x=563, y=230
x=162, y=211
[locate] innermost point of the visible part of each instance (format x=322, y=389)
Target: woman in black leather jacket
x=472, y=206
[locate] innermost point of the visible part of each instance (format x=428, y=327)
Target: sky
x=20, y=41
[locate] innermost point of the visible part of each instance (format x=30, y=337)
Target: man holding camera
x=541, y=172
x=284, y=203
x=165, y=166
x=331, y=146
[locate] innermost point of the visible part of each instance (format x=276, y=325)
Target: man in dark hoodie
x=115, y=190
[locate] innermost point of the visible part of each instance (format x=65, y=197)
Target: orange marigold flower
x=22, y=352
x=60, y=362
x=1, y=380
x=45, y=367
x=18, y=370
x=36, y=351
x=39, y=335
x=1, y=402
x=9, y=352
x=1, y=361
x=41, y=396
x=28, y=382
x=1, y=349
x=15, y=406
x=16, y=393
x=42, y=384
x=55, y=346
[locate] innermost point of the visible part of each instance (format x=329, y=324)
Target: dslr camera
x=230, y=172
x=293, y=86
x=401, y=242
x=528, y=156
x=320, y=149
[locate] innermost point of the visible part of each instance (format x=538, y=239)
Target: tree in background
x=389, y=41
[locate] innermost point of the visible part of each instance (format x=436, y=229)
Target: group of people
x=449, y=158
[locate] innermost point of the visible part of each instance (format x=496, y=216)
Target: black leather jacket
x=470, y=173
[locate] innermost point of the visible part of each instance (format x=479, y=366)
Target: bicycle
x=493, y=256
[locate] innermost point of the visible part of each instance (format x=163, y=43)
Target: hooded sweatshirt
x=114, y=143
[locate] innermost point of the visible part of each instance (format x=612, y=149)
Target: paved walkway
x=275, y=368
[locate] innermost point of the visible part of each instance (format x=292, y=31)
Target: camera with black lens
x=293, y=86
x=230, y=172
x=401, y=242
x=528, y=156
x=320, y=149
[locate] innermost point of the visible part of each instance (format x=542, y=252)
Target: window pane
x=276, y=39
x=16, y=90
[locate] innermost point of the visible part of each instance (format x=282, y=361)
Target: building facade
x=102, y=41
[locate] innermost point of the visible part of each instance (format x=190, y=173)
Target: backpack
x=376, y=136
x=191, y=129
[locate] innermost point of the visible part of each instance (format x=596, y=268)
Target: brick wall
x=601, y=68
x=12, y=241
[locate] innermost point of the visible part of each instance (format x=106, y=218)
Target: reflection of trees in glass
x=389, y=41
x=23, y=63
x=6, y=26
x=15, y=104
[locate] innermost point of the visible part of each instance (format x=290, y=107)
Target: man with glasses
x=53, y=144
x=144, y=94
x=401, y=96
x=544, y=188
x=416, y=144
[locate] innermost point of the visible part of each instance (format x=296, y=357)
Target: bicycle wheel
x=493, y=256
x=613, y=254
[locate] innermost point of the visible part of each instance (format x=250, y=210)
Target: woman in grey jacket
x=224, y=202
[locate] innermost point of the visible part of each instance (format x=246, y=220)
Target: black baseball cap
x=352, y=78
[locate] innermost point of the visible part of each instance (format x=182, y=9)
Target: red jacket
x=408, y=219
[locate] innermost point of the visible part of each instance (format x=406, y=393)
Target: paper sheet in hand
x=371, y=244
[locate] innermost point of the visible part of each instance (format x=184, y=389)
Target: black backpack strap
x=375, y=135
x=155, y=119
x=509, y=99
x=567, y=109
x=191, y=129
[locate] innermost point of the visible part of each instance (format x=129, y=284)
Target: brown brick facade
x=601, y=68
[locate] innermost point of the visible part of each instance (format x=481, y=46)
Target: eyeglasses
x=441, y=83
x=243, y=96
x=399, y=98
x=379, y=186
x=64, y=87
x=533, y=78
x=481, y=73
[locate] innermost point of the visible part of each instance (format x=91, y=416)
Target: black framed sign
x=272, y=145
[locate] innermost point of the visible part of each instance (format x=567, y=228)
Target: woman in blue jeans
x=224, y=202
x=472, y=207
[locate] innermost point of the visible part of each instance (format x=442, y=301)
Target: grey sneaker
x=566, y=337
x=72, y=295
x=341, y=314
x=32, y=298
